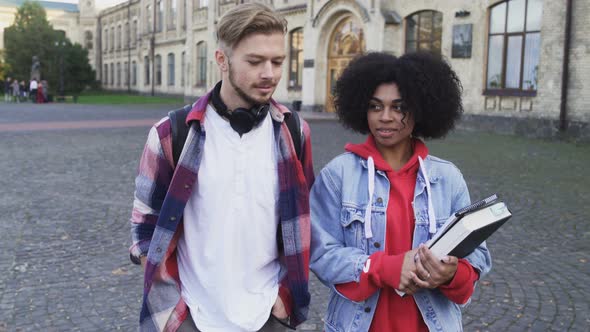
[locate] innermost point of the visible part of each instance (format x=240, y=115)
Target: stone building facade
x=509, y=54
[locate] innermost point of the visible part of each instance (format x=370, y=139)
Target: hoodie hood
x=368, y=150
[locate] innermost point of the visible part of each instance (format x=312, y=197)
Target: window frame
x=201, y=64
x=417, y=41
x=502, y=90
x=171, y=58
x=295, y=54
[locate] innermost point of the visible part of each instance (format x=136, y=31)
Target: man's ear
x=221, y=60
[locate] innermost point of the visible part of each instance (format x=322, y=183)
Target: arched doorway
x=346, y=42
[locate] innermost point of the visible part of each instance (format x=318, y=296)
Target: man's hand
x=278, y=309
x=432, y=272
x=406, y=284
x=143, y=260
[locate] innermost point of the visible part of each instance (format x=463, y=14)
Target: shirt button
x=158, y=249
x=172, y=218
x=377, y=244
x=186, y=186
x=379, y=200
x=368, y=309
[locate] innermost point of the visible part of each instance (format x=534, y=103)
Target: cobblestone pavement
x=66, y=197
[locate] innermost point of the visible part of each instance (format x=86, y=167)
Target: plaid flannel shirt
x=162, y=192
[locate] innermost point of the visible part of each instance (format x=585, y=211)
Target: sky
x=100, y=4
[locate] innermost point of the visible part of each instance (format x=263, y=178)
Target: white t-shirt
x=228, y=254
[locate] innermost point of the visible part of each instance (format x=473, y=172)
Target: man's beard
x=241, y=93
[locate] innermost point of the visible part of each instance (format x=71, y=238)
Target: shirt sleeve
x=461, y=287
x=151, y=184
x=380, y=270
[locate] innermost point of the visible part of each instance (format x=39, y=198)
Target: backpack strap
x=179, y=130
x=294, y=125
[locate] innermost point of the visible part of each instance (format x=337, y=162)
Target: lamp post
x=60, y=46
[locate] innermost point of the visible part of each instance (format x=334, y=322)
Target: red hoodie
x=394, y=313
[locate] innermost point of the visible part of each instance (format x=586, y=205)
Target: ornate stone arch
x=354, y=5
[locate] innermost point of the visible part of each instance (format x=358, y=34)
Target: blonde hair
x=247, y=19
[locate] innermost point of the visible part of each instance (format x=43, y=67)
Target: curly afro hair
x=430, y=89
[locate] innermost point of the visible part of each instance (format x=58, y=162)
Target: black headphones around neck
x=242, y=120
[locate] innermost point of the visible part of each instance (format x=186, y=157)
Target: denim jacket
x=340, y=246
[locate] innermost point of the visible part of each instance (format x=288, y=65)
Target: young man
x=224, y=234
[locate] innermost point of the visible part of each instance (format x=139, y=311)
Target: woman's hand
x=406, y=284
x=432, y=272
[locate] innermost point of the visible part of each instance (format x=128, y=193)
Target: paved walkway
x=67, y=192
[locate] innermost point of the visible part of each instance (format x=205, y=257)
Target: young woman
x=373, y=206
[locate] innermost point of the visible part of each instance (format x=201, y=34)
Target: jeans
x=271, y=325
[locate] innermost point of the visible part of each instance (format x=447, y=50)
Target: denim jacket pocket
x=352, y=221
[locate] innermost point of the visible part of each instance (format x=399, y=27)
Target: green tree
x=30, y=35
x=78, y=74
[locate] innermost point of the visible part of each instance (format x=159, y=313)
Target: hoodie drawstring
x=371, y=187
x=431, y=216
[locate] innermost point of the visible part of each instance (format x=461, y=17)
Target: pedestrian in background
x=374, y=206
x=15, y=91
x=23, y=91
x=7, y=89
x=229, y=252
x=45, y=90
x=33, y=90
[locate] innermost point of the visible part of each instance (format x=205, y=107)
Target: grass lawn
x=97, y=97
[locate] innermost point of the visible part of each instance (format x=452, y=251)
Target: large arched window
x=514, y=42
x=424, y=31
x=201, y=64
x=296, y=58
x=171, y=68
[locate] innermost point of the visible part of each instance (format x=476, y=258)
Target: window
x=112, y=74
x=133, y=73
x=170, y=68
x=112, y=38
x=118, y=74
x=105, y=78
x=126, y=36
x=182, y=68
x=106, y=40
x=296, y=58
x=88, y=41
x=125, y=73
x=119, y=37
x=158, y=75
x=160, y=17
x=424, y=31
x=201, y=63
x=146, y=61
x=203, y=3
x=148, y=18
x=183, y=23
x=514, y=43
x=134, y=34
x=172, y=15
